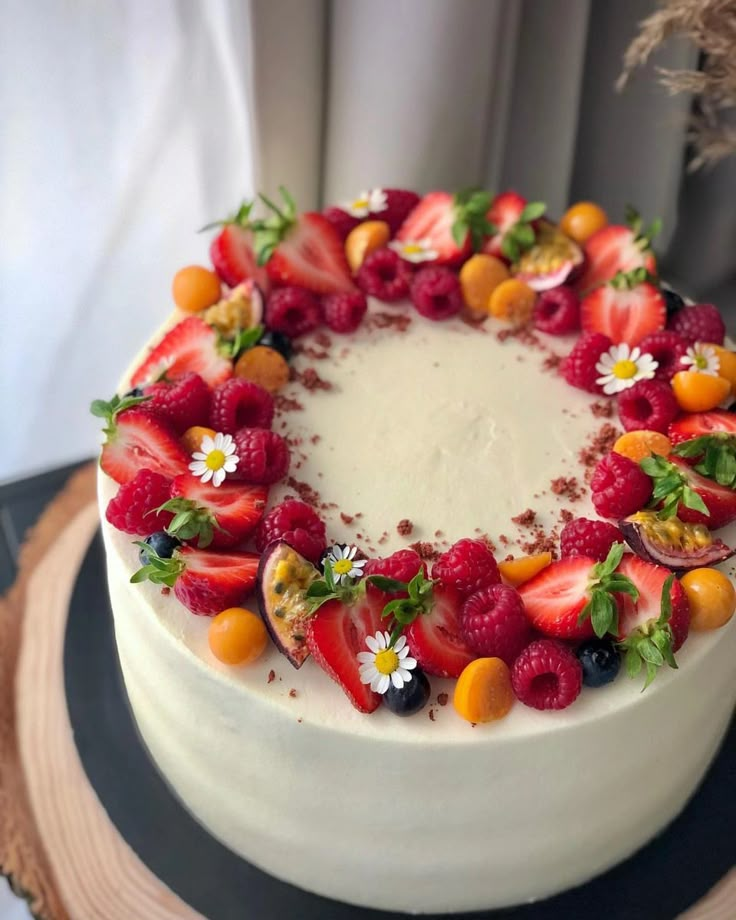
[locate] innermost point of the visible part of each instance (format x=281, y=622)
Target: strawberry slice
x=210, y=582
x=649, y=580
x=336, y=633
x=303, y=250
x=626, y=309
x=695, y=499
x=234, y=258
x=191, y=345
x=504, y=213
x=223, y=515
x=137, y=440
x=555, y=598
x=453, y=225
x=434, y=638
x=618, y=248
x=700, y=424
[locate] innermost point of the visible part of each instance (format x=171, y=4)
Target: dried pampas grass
x=711, y=26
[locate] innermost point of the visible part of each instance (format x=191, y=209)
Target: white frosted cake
x=422, y=433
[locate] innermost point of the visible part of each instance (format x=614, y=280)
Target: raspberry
x=402, y=565
x=619, y=486
x=399, y=204
x=547, y=675
x=239, y=403
x=649, y=404
x=344, y=312
x=468, y=566
x=129, y=509
x=341, y=221
x=578, y=368
x=667, y=348
x=583, y=537
x=699, y=323
x=263, y=456
x=296, y=523
x=435, y=292
x=183, y=403
x=385, y=275
x=493, y=623
x=293, y=311
x=557, y=311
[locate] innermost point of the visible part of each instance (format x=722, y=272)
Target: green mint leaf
x=389, y=585
x=533, y=211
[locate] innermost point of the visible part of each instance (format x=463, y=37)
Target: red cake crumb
x=602, y=409
x=315, y=439
x=322, y=339
x=567, y=486
x=599, y=444
x=425, y=550
x=552, y=362
x=305, y=492
x=508, y=557
x=292, y=693
x=566, y=515
x=286, y=404
x=438, y=534
x=315, y=354
x=165, y=591
x=526, y=518
x=383, y=538
x=311, y=380
x=404, y=527
x=541, y=542
x=346, y=518
x=442, y=699
x=398, y=321
x=271, y=677
x=503, y=539
x=431, y=715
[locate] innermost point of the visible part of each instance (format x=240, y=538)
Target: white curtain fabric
x=124, y=127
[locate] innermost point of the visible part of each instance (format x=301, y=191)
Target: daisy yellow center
x=215, y=460
x=360, y=203
x=412, y=249
x=387, y=661
x=342, y=566
x=701, y=362
x=624, y=370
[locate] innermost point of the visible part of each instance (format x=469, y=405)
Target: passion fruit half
x=553, y=259
x=283, y=579
x=673, y=543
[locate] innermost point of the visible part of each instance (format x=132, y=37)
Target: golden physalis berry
x=264, y=366
x=237, y=636
x=479, y=278
x=192, y=437
x=512, y=301
x=636, y=445
x=483, y=692
x=195, y=288
x=364, y=239
x=516, y=571
x=711, y=597
x=696, y=392
x=726, y=364
x=582, y=220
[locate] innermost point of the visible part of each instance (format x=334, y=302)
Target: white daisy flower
x=414, y=250
x=385, y=664
x=215, y=458
x=344, y=564
x=370, y=202
x=703, y=359
x=621, y=367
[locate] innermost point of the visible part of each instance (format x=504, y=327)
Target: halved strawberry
x=555, y=598
x=191, y=345
x=505, y=211
x=137, y=440
x=683, y=491
x=223, y=515
x=204, y=581
x=649, y=580
x=434, y=638
x=303, y=250
x=454, y=225
x=232, y=251
x=336, y=633
x=625, y=309
x=618, y=248
x=698, y=424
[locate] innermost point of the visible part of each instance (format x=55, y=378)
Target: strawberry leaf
x=717, y=453
x=605, y=582
x=671, y=488
x=241, y=218
x=109, y=410
x=191, y=521
x=651, y=644
x=533, y=211
x=159, y=571
x=389, y=585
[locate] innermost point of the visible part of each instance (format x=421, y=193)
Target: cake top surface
x=395, y=446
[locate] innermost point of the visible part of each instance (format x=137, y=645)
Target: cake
x=435, y=528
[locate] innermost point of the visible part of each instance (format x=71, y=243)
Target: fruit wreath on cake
x=202, y=443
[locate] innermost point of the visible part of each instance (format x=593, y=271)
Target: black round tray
x=658, y=883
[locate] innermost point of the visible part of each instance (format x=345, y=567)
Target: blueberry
x=162, y=543
x=411, y=698
x=672, y=300
x=136, y=391
x=600, y=660
x=278, y=341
